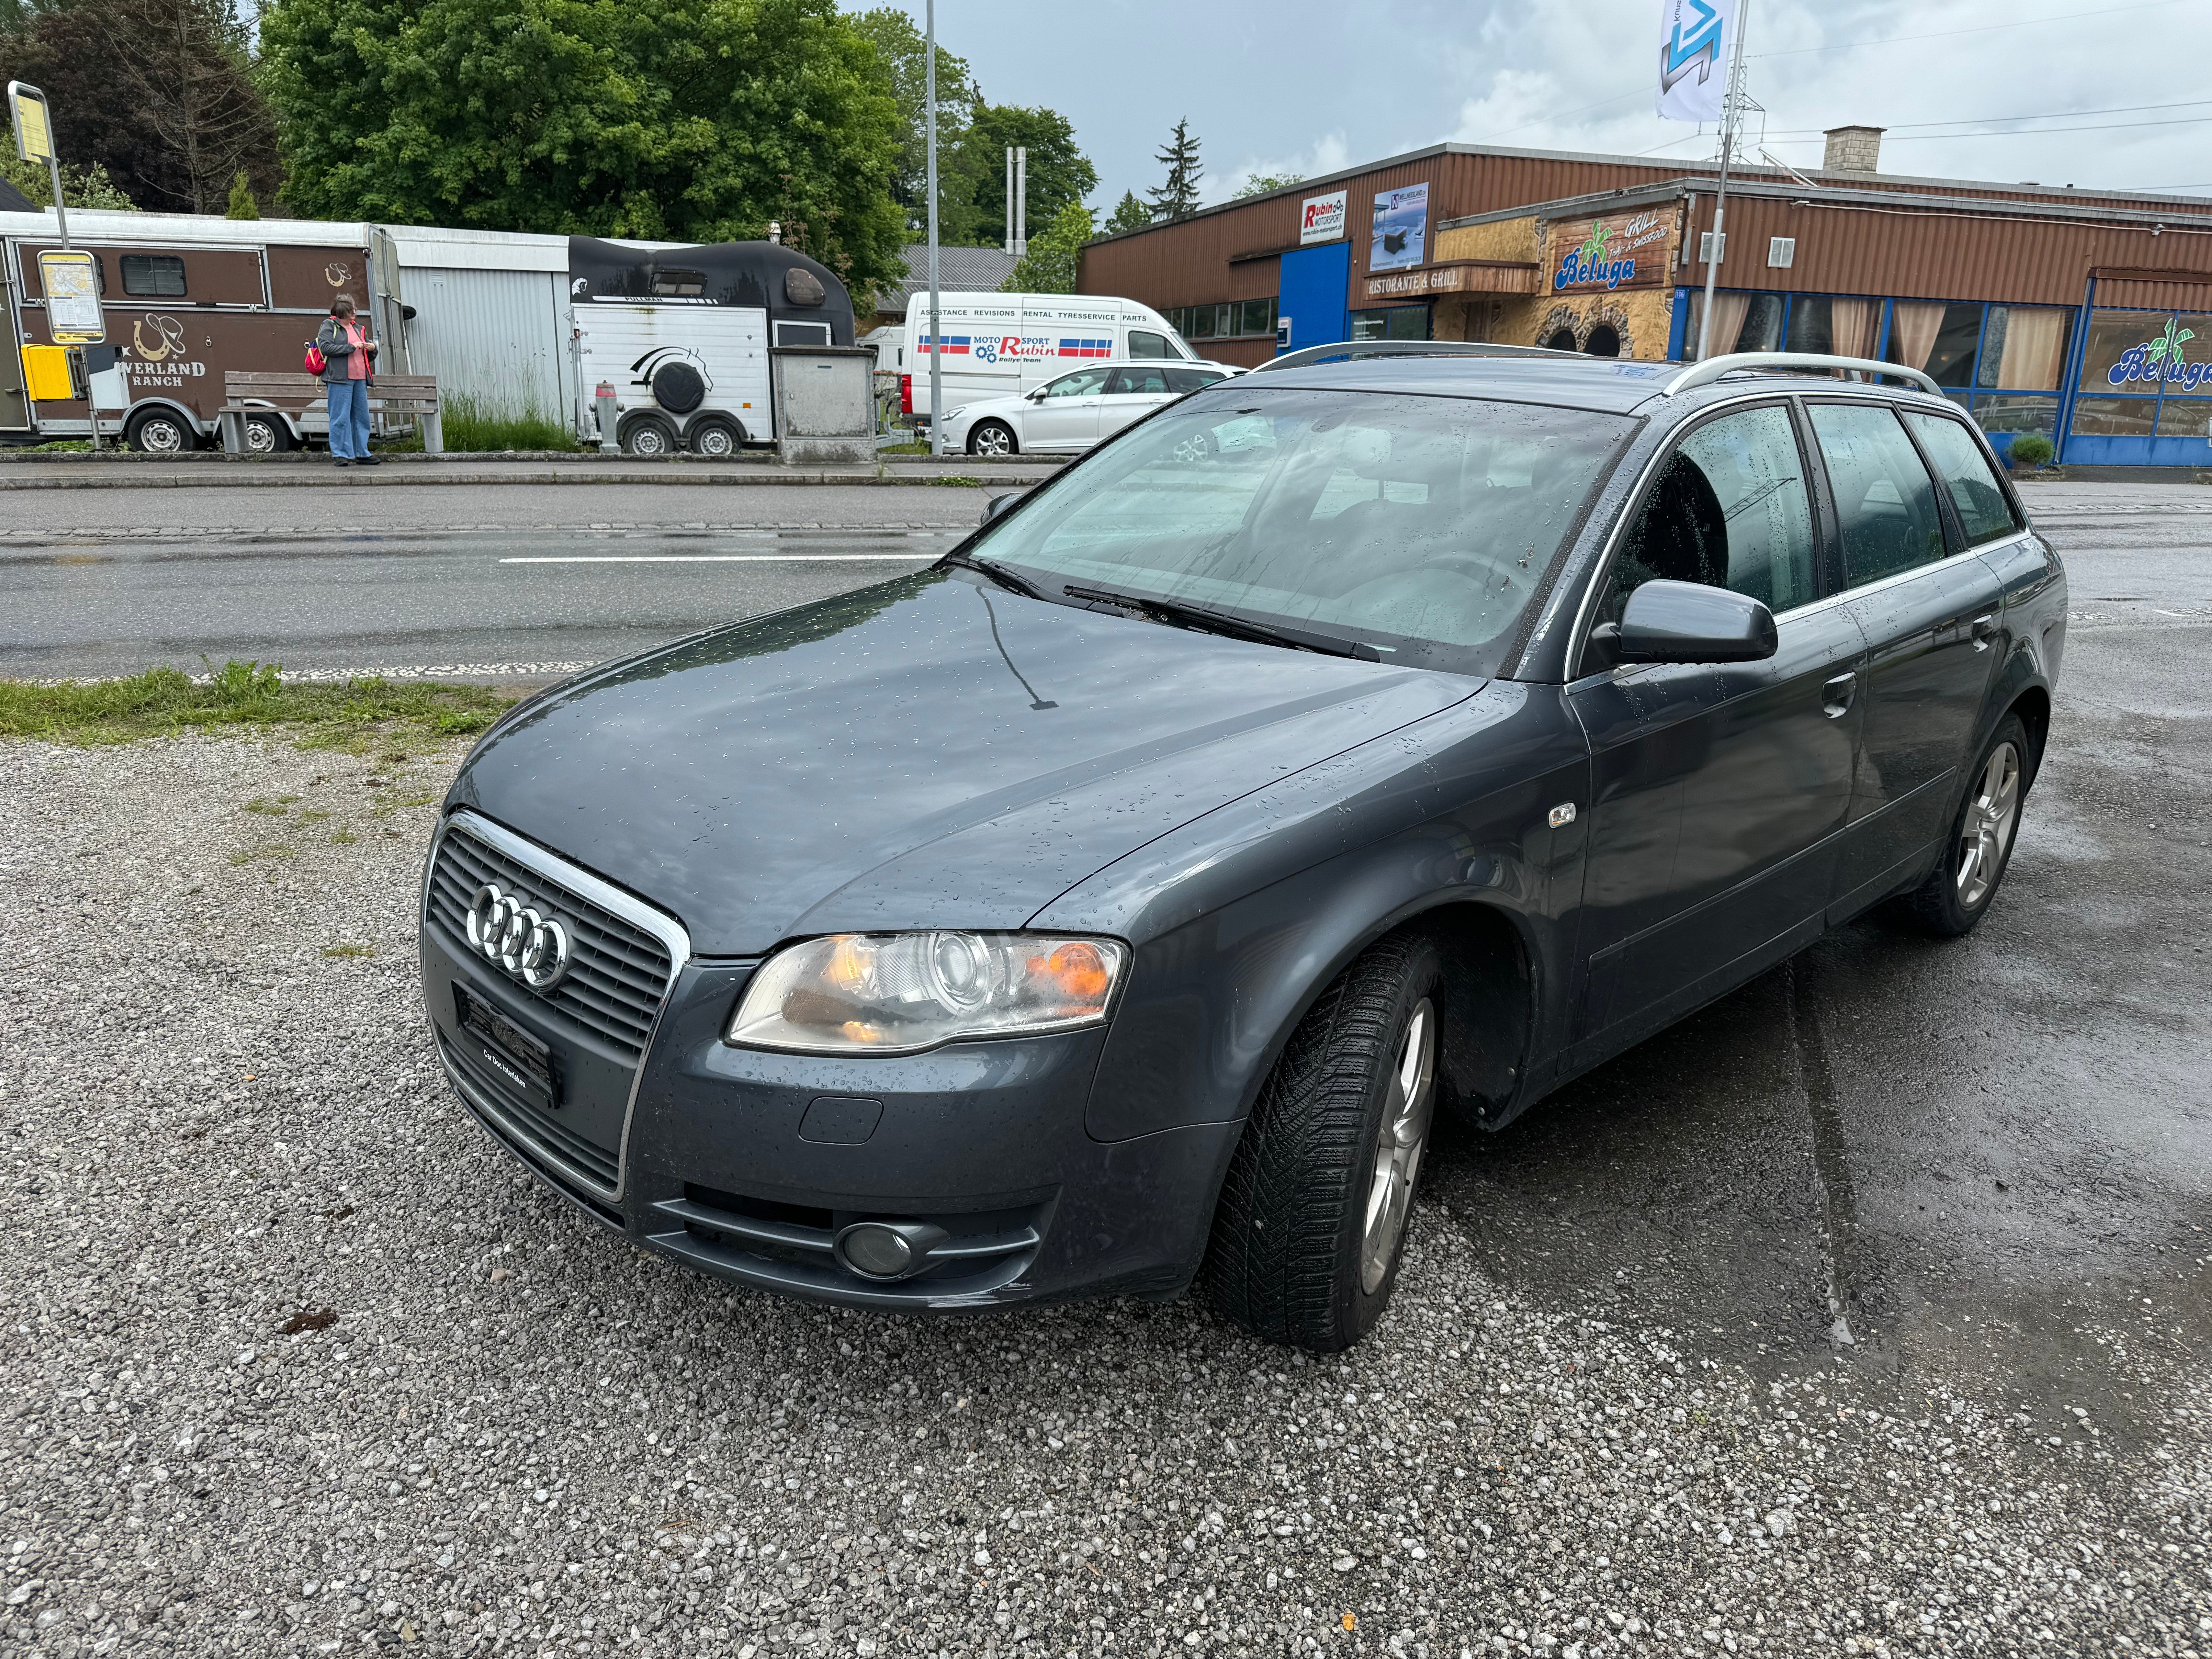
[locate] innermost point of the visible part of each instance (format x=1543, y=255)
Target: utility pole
x=936, y=328
x=1020, y=225
x=1731, y=116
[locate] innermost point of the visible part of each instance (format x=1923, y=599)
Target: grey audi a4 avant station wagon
x=1112, y=906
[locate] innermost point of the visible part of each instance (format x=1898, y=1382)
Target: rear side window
x=1189, y=380
x=1143, y=382
x=154, y=275
x=1885, y=499
x=1975, y=492
x=1729, y=510
x=1143, y=342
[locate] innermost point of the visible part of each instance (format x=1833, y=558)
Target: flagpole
x=1731, y=111
x=936, y=328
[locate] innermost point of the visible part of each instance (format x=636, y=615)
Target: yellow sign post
x=68, y=279
x=70, y=282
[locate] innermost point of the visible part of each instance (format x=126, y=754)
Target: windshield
x=1420, y=526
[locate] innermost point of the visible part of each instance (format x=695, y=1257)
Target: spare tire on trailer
x=678, y=387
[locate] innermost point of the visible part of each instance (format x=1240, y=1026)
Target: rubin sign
x=1323, y=219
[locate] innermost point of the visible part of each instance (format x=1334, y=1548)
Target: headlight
x=896, y=993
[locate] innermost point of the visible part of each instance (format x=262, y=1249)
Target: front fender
x=1241, y=918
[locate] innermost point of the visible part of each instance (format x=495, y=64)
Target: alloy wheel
x=1398, y=1148
x=1986, y=830
x=993, y=441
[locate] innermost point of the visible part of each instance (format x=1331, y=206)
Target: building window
x=1391, y=323
x=1231, y=319
x=2139, y=377
x=1742, y=322
x=154, y=275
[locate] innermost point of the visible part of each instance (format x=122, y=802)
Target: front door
x=1065, y=414
x=1718, y=792
x=1930, y=609
x=15, y=394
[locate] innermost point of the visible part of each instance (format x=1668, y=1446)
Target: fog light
x=888, y=1249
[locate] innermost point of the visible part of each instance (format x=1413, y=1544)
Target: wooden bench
x=251, y=391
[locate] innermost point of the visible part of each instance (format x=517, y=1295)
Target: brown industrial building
x=2085, y=315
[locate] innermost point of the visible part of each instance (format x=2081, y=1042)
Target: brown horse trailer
x=185, y=299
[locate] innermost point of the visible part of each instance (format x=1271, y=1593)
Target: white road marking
x=725, y=558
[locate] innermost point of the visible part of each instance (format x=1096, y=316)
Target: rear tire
x=266, y=434
x=992, y=438
x=715, y=440
x=1310, y=1230
x=1958, y=890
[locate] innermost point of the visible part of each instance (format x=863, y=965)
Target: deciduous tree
x=1051, y=265
x=688, y=120
x=1059, y=171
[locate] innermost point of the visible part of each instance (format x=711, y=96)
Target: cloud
x=1327, y=154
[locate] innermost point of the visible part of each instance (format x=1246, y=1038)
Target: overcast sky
x=1310, y=86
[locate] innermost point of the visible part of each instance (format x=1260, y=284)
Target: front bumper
x=746, y=1164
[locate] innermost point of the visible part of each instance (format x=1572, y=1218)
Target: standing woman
x=349, y=357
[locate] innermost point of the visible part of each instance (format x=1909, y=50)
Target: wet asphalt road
x=500, y=582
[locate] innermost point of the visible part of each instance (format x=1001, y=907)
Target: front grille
x=618, y=972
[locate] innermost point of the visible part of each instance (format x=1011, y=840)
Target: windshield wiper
x=1217, y=622
x=997, y=573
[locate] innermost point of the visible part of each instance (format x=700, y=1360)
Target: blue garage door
x=1314, y=280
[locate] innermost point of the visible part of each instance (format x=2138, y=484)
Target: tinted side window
x=1730, y=509
x=1141, y=382
x=155, y=275
x=1189, y=380
x=1885, y=499
x=1975, y=492
x=1143, y=342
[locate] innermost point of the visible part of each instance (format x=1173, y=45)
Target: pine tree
x=1178, y=197
x=242, y=204
x=1129, y=213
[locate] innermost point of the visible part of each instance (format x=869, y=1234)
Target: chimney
x=1853, y=149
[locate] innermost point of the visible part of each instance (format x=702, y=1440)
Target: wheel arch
x=2032, y=705
x=141, y=407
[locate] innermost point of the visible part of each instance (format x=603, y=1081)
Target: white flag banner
x=1695, y=39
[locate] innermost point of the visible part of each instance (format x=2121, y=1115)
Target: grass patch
x=474, y=427
x=266, y=850
x=350, y=950
x=164, y=702
x=343, y=838
x=957, y=481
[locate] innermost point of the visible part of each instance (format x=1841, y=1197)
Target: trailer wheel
x=266, y=434
x=648, y=435
x=159, y=432
x=715, y=438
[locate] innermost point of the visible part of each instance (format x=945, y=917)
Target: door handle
x=1837, y=694
x=1985, y=626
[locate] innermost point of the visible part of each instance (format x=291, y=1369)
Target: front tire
x=992, y=438
x=1310, y=1229
x=649, y=437
x=1960, y=889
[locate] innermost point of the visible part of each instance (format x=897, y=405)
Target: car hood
x=934, y=752
x=982, y=406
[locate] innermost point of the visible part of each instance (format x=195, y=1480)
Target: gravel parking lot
x=298, y=1362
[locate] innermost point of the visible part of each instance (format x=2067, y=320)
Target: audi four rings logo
x=532, y=948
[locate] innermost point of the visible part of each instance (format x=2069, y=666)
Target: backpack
x=314, y=362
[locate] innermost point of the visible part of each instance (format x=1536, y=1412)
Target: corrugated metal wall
x=499, y=336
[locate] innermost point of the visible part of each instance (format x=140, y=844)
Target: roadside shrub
x=163, y=701
x=475, y=427
x=2032, y=449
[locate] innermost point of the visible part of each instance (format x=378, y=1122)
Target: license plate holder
x=522, y=1063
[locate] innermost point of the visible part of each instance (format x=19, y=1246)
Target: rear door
x=1131, y=392
x=1719, y=792
x=1065, y=416
x=1930, y=608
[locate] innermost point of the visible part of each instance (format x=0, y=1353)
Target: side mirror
x=998, y=506
x=1689, y=622
x=1035, y=394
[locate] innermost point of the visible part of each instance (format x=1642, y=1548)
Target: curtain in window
x=1854, y=323
x=1913, y=326
x=1729, y=313
x=2034, y=346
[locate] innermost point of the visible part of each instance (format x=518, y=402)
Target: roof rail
x=1306, y=355
x=1713, y=368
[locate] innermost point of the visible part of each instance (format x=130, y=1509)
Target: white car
x=1075, y=410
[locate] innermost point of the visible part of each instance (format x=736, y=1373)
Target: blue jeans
x=349, y=419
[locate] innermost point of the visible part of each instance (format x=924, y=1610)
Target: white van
x=999, y=346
